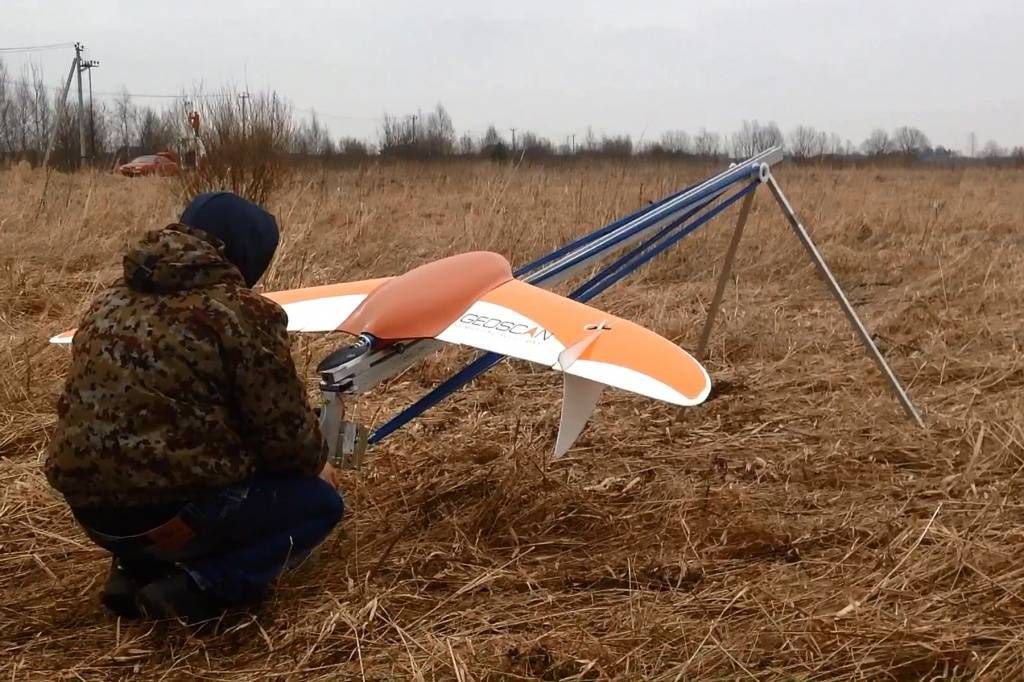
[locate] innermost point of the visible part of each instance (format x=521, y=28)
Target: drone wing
x=323, y=308
x=310, y=309
x=592, y=348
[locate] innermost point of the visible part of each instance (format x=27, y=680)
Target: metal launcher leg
x=837, y=292
x=723, y=278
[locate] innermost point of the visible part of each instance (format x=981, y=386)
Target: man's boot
x=119, y=592
x=178, y=596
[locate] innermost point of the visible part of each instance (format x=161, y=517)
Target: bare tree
x=466, y=145
x=805, y=142
x=19, y=118
x=493, y=144
x=65, y=153
x=676, y=142
x=311, y=138
x=491, y=137
x=754, y=137
x=992, y=150
x=768, y=136
x=99, y=132
x=834, y=145
x=124, y=116
x=6, y=113
x=878, y=143
x=616, y=145
x=151, y=130
x=34, y=109
x=418, y=136
x=352, y=148
x=438, y=133
x=397, y=135
x=909, y=141
x=707, y=144
x=535, y=146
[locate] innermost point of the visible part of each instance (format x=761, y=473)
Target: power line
x=99, y=93
x=35, y=48
x=141, y=95
x=311, y=110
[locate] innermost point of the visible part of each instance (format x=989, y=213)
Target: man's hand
x=330, y=474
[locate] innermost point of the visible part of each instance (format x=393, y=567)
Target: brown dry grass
x=795, y=527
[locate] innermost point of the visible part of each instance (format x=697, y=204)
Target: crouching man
x=185, y=444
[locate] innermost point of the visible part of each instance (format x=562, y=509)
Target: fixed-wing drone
x=473, y=299
x=477, y=300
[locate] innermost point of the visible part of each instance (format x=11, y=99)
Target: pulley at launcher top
x=478, y=300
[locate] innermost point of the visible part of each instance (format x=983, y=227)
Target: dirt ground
x=797, y=526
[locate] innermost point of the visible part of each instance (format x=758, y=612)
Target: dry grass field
x=797, y=526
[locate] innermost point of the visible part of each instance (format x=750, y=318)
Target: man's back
x=181, y=381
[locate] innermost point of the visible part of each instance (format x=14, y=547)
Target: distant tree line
x=118, y=129
x=30, y=117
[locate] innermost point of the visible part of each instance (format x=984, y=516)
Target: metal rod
x=633, y=231
x=643, y=255
x=769, y=156
x=577, y=243
x=837, y=292
x=625, y=261
x=723, y=279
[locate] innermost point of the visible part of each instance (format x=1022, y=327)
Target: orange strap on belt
x=172, y=535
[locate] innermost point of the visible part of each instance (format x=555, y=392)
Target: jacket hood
x=249, y=233
x=176, y=258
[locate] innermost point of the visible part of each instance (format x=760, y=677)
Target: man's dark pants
x=235, y=541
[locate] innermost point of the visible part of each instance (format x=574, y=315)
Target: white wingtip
x=578, y=403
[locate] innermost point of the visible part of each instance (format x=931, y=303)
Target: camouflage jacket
x=181, y=380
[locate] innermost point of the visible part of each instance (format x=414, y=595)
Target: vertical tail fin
x=581, y=396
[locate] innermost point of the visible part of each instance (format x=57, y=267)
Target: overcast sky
x=557, y=66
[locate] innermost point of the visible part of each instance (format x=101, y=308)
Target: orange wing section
x=625, y=343
x=421, y=303
x=309, y=293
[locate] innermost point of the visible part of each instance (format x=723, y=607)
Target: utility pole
x=513, y=140
x=89, y=65
x=244, y=97
x=61, y=105
x=81, y=106
x=573, y=136
x=973, y=141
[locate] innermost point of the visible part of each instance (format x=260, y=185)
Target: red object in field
x=151, y=164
